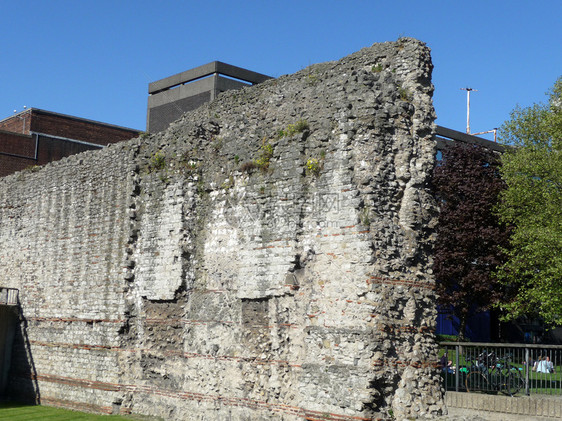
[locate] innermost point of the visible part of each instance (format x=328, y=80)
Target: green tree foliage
x=532, y=204
x=469, y=237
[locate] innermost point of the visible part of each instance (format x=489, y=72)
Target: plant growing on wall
x=264, y=155
x=228, y=183
x=469, y=236
x=313, y=167
x=247, y=167
x=157, y=162
x=404, y=94
x=292, y=129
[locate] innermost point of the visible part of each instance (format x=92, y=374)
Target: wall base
x=496, y=407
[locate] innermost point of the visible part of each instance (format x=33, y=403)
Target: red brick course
x=183, y=395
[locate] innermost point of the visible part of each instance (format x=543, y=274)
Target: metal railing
x=510, y=369
x=9, y=296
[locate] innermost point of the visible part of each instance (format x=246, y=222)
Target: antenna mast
x=468, y=90
x=494, y=130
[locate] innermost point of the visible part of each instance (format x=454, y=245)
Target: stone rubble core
x=268, y=257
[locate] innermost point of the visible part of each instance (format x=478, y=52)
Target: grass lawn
x=20, y=412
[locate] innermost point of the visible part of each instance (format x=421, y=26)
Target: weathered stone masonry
x=267, y=257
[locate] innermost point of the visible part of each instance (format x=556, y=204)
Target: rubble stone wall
x=267, y=257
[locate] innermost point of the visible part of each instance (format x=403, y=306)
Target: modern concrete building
x=36, y=137
x=175, y=95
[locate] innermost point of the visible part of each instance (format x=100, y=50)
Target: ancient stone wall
x=267, y=257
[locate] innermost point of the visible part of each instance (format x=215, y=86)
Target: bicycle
x=488, y=373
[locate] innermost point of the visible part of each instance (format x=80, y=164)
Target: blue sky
x=94, y=59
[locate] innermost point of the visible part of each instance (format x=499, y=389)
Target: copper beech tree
x=467, y=183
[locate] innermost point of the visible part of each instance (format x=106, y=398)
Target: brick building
x=36, y=137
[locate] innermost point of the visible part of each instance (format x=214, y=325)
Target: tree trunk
x=462, y=326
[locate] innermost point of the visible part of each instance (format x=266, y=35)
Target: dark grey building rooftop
x=175, y=95
x=445, y=136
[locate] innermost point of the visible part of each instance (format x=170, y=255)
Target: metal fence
x=510, y=369
x=9, y=296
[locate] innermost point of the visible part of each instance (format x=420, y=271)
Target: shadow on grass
x=11, y=405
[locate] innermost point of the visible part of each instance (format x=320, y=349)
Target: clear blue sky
x=94, y=59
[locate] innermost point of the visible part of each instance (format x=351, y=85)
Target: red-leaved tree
x=467, y=249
